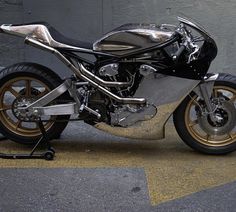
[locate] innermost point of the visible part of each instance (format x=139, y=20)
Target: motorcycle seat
x=58, y=37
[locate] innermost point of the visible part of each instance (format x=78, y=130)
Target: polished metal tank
x=132, y=37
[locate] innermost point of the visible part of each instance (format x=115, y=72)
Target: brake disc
x=227, y=113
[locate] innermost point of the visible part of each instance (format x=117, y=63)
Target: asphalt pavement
x=94, y=171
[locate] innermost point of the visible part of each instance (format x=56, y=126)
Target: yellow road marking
x=172, y=169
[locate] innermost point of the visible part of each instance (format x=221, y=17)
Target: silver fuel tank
x=131, y=37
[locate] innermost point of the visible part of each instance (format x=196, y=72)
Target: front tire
x=25, y=82
x=196, y=132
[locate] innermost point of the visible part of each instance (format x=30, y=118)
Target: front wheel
x=198, y=130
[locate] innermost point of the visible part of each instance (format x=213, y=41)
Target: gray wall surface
x=90, y=19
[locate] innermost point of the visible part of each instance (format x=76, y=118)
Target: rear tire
x=208, y=144
x=32, y=73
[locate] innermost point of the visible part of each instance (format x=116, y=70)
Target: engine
x=122, y=72
x=114, y=113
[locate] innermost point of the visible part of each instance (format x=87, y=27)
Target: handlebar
x=177, y=55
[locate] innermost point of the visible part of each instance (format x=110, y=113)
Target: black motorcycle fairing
x=196, y=69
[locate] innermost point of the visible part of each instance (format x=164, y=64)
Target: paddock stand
x=48, y=155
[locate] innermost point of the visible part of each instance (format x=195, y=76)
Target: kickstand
x=48, y=155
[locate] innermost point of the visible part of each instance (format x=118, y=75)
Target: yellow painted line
x=172, y=169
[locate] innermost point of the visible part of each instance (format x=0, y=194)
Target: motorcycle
x=140, y=75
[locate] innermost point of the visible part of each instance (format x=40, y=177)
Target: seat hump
x=57, y=36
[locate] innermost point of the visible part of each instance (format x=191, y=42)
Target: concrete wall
x=89, y=19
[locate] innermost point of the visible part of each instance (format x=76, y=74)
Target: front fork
x=205, y=90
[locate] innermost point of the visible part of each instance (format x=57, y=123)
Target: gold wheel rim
x=208, y=139
x=7, y=117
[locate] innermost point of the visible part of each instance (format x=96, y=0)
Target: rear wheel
x=21, y=85
x=198, y=130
